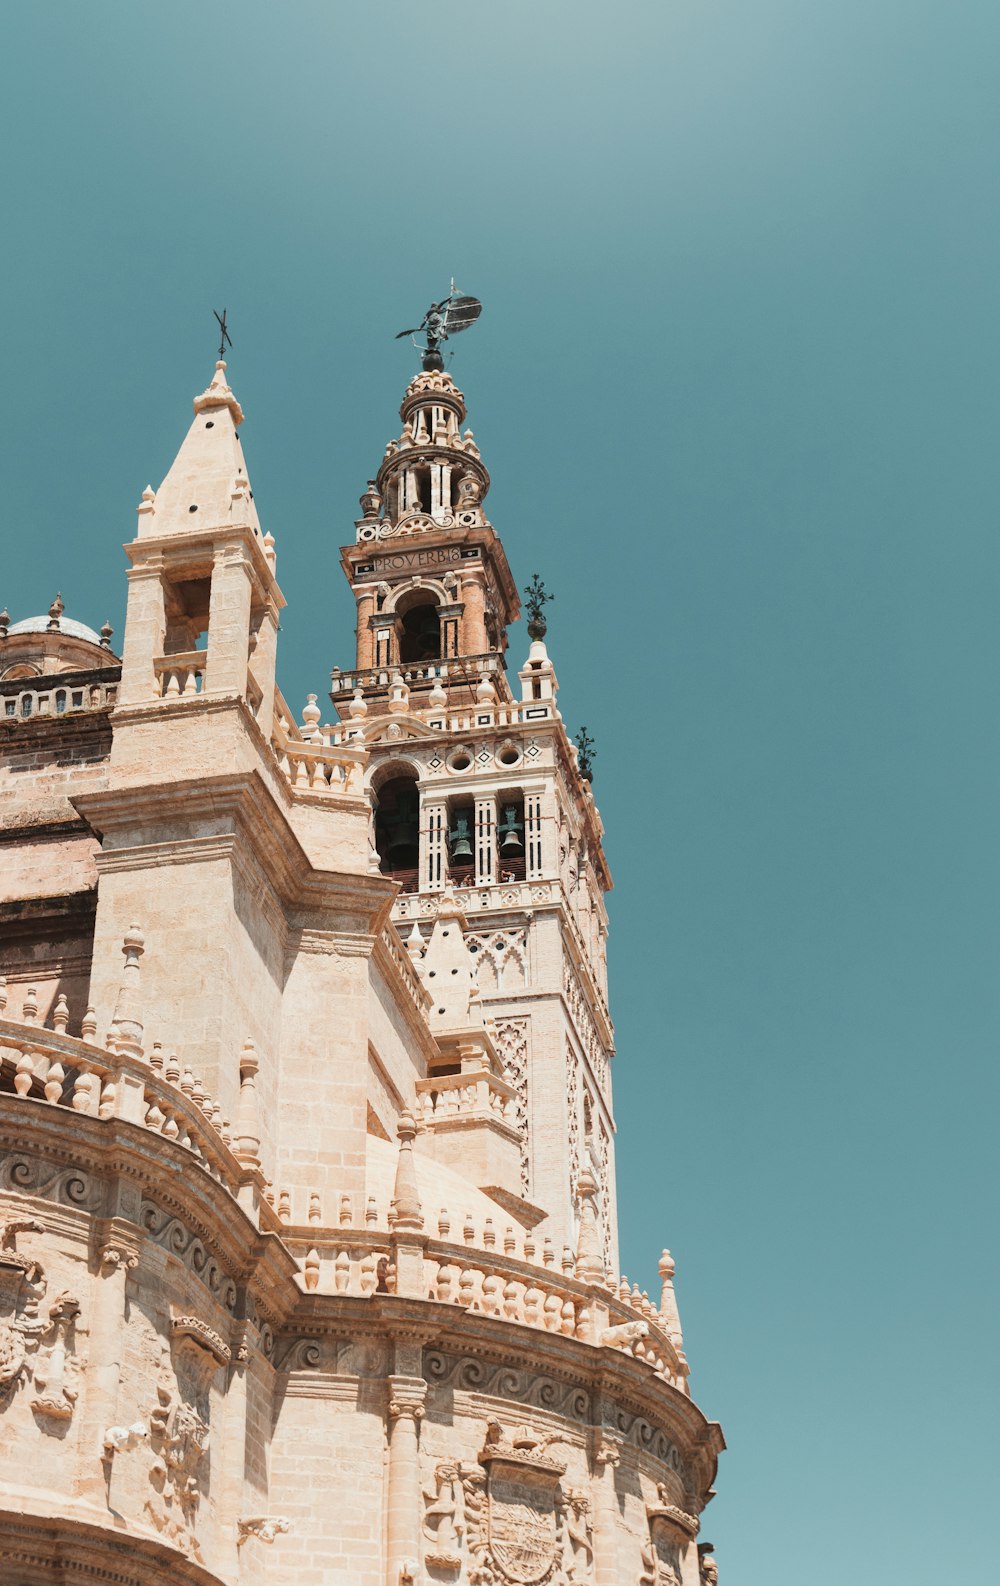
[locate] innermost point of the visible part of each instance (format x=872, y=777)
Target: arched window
x=510, y=836
x=419, y=631
x=397, y=828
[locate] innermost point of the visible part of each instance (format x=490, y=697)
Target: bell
x=461, y=848
x=404, y=834
x=510, y=829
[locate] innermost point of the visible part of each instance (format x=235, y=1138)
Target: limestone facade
x=308, y=1232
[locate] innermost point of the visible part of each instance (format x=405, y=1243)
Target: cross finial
x=224, y=336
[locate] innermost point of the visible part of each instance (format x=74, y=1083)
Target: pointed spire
x=407, y=1213
x=589, y=1258
x=669, y=1314
x=246, y=1145
x=207, y=486
x=219, y=394
x=126, y=1026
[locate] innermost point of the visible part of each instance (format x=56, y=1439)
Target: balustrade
x=66, y=1071
x=57, y=700
x=180, y=676
x=471, y=1097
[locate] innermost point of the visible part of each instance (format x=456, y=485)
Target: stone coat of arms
x=514, y=1512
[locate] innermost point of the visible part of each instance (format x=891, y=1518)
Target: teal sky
x=736, y=383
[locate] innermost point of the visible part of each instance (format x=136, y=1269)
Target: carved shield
x=522, y=1525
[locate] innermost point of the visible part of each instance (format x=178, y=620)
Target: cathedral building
x=308, y=1234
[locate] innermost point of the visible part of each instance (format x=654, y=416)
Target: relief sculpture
x=515, y=1512
x=22, y=1286
x=23, y=1332
x=179, y=1430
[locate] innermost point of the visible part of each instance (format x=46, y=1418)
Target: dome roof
x=67, y=625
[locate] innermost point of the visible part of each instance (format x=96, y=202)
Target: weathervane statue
x=444, y=319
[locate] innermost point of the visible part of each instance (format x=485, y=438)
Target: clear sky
x=736, y=382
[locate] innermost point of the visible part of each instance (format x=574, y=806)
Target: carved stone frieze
x=507, y=1382
x=171, y=1234
x=51, y=1181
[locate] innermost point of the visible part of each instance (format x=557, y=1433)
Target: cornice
x=258, y=826
x=114, y=1150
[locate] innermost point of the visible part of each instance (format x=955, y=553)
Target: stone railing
x=390, y=944
x=317, y=765
x=422, y=674
x=476, y=899
x=58, y=699
x=469, y=1098
x=180, y=676
x=508, y=1275
x=76, y=1073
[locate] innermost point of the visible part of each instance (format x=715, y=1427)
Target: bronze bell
x=461, y=848
x=404, y=833
x=510, y=830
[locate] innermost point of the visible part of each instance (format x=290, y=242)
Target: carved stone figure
x=264, y=1527
x=579, y=1531
x=22, y=1286
x=625, y=1335
x=444, y=1519
x=708, y=1569
x=56, y=1394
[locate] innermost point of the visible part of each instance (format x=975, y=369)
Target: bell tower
x=433, y=589
x=481, y=810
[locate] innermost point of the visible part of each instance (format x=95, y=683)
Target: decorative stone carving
x=444, y=1517
x=56, y=1394
x=515, y=1512
x=179, y=1429
x=671, y=1529
x=22, y=1286
x=264, y=1527
x=511, y=1039
x=115, y=1256
x=578, y=1558
x=708, y=1569
x=625, y=1334
x=407, y=1398
x=119, y=1439
x=204, y=1336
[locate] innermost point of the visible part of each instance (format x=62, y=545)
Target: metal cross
x=225, y=336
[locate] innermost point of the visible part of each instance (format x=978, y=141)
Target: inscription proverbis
x=403, y=561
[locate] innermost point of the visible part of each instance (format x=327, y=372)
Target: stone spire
x=207, y=486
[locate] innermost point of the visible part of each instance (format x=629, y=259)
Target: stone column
x=229, y=622
x=474, y=620
x=262, y=668
x=145, y=631
x=433, y=850
x=406, y=1408
x=365, y=637
x=486, y=868
x=607, y=1456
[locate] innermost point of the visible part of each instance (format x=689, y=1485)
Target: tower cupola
x=434, y=593
x=432, y=471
